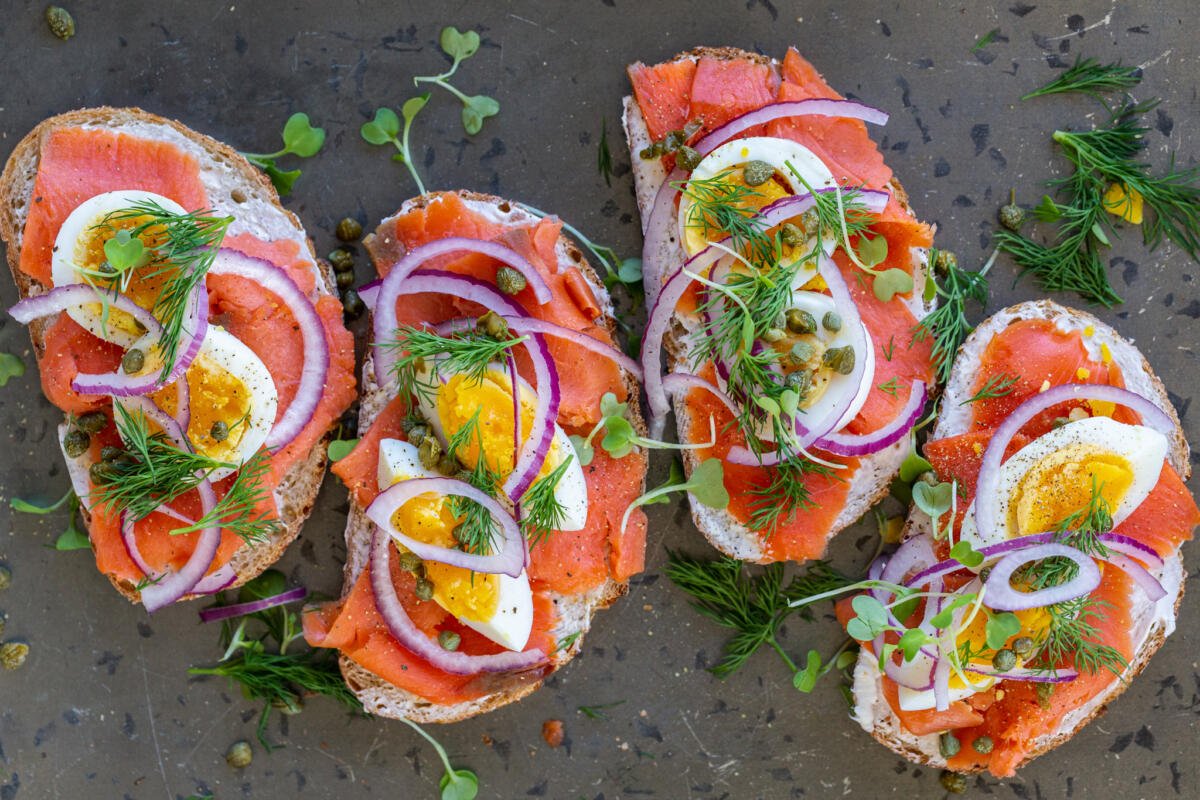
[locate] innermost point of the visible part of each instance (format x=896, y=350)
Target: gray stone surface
x=103, y=707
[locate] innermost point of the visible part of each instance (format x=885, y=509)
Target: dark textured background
x=103, y=708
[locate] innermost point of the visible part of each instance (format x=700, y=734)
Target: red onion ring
x=172, y=586
x=369, y=293
x=1003, y=597
x=660, y=225
x=845, y=444
x=676, y=382
x=312, y=332
x=183, y=402
x=1141, y=576
x=217, y=580
x=1132, y=547
x=941, y=684
x=515, y=380
x=217, y=613
x=817, y=106
x=402, y=629
x=537, y=446
x=509, y=558
x=1025, y=674
x=989, y=470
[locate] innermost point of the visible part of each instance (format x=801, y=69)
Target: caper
x=1059, y=422
x=430, y=452
x=650, y=151
x=510, y=281
x=493, y=325
x=409, y=561
x=109, y=454
x=810, y=221
x=673, y=141
x=756, y=173
x=344, y=280
x=949, y=745
x=93, y=422
x=1023, y=646
x=409, y=422
x=983, y=744
x=5, y=577
x=349, y=229
x=946, y=261
x=984, y=574
x=61, y=23
x=771, y=335
x=792, y=234
x=13, y=654
x=1004, y=660
x=417, y=434
x=99, y=473
x=448, y=464
x=800, y=321
x=76, y=443
x=688, y=158
x=831, y=322
x=802, y=352
x=953, y=782
x=219, y=431
x=1011, y=216
x=352, y=304
x=342, y=260
x=133, y=361
x=799, y=381
x=1044, y=692
x=424, y=590
x=839, y=359
x=449, y=640
x=239, y=755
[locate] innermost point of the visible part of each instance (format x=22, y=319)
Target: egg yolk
x=465, y=594
x=144, y=284
x=1034, y=622
x=216, y=395
x=700, y=230
x=1060, y=484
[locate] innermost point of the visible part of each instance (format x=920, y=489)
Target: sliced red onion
x=845, y=444
x=988, y=525
x=79, y=294
x=1140, y=575
x=873, y=201
x=817, y=106
x=218, y=613
x=941, y=684
x=524, y=324
x=676, y=382
x=1132, y=547
x=217, y=580
x=942, y=568
x=657, y=236
x=369, y=293
x=312, y=333
x=537, y=445
x=515, y=380
x=1003, y=597
x=509, y=556
x=1025, y=674
x=120, y=384
x=401, y=626
x=399, y=273
x=183, y=403
x=168, y=587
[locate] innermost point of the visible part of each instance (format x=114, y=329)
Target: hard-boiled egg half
x=79, y=257
x=232, y=399
x=1052, y=477
x=498, y=606
x=454, y=399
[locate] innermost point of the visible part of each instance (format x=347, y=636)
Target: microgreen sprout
x=385, y=128
x=301, y=139
x=461, y=45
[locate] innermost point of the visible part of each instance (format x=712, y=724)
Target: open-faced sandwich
x=480, y=539
x=786, y=274
x=1042, y=567
x=182, y=322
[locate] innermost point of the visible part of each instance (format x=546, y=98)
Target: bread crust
x=871, y=481
x=378, y=696
x=883, y=724
x=297, y=491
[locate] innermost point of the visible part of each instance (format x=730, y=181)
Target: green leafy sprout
x=706, y=484
x=10, y=367
x=301, y=139
x=385, y=128
x=461, y=45
x=620, y=437
x=74, y=537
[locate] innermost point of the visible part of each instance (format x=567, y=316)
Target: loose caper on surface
x=349, y=229
x=342, y=260
x=352, y=304
x=13, y=655
x=239, y=755
x=61, y=23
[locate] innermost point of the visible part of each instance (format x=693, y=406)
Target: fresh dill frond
x=183, y=248
x=818, y=577
x=541, y=511
x=996, y=386
x=157, y=472
x=1090, y=77
x=477, y=528
x=719, y=204
x=1072, y=638
x=947, y=325
x=777, y=502
x=471, y=353
x=598, y=711
x=1080, y=530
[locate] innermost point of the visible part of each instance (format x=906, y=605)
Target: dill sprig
x=477, y=528
x=1090, y=77
x=754, y=607
x=1081, y=530
x=718, y=203
x=541, y=511
x=996, y=386
x=156, y=472
x=776, y=503
x=182, y=249
x=948, y=325
x=1072, y=637
x=471, y=353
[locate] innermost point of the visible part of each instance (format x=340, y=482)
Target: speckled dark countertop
x=103, y=707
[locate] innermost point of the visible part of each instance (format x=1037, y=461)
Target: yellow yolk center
x=699, y=230
x=217, y=395
x=1034, y=622
x=1060, y=484
x=143, y=285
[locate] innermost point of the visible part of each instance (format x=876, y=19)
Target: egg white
x=512, y=621
x=71, y=240
x=571, y=491
x=1143, y=448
